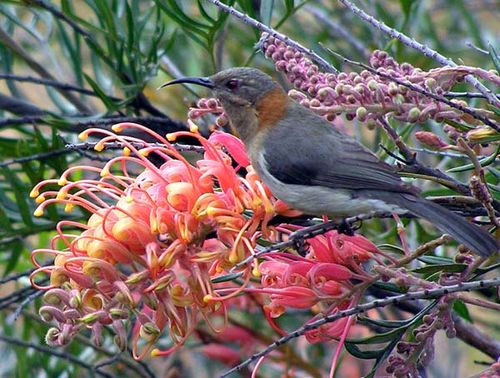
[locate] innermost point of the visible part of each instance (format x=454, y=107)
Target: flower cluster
x=320, y=280
x=161, y=240
x=153, y=242
x=366, y=95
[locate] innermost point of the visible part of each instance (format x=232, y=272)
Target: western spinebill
x=315, y=168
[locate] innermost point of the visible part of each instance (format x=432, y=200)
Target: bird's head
x=245, y=94
x=234, y=87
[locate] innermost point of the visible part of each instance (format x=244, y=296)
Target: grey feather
x=472, y=236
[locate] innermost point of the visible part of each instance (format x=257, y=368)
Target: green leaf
x=20, y=191
x=391, y=248
x=379, y=338
x=130, y=26
x=435, y=260
x=461, y=309
x=494, y=56
x=363, y=354
x=227, y=277
x=16, y=247
x=483, y=162
x=381, y=322
x=4, y=220
x=110, y=105
x=449, y=268
x=389, y=287
x=480, y=271
x=459, y=126
x=406, y=6
x=266, y=11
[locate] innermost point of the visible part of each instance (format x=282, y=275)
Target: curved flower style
x=153, y=242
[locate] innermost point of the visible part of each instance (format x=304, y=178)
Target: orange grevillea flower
x=154, y=240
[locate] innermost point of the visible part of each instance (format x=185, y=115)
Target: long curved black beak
x=203, y=81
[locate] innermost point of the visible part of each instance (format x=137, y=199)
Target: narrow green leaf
x=130, y=26
x=449, y=268
x=363, y=354
x=483, y=162
x=435, y=260
x=494, y=56
x=16, y=247
x=379, y=338
x=486, y=269
x=5, y=224
x=266, y=11
x=461, y=309
x=226, y=277
x=20, y=191
x=110, y=105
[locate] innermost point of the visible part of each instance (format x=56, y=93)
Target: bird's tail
x=469, y=234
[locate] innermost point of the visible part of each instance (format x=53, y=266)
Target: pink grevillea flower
x=154, y=240
x=321, y=280
x=350, y=251
x=301, y=283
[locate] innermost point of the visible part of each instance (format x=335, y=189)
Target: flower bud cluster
x=206, y=106
x=410, y=356
x=365, y=95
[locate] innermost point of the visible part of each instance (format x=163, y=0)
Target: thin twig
x=393, y=33
x=119, y=146
x=19, y=107
x=15, y=277
x=13, y=317
x=40, y=156
x=486, y=198
x=53, y=352
x=165, y=124
x=379, y=303
x=87, y=146
x=54, y=84
x=441, y=153
x=413, y=165
x=272, y=32
x=478, y=49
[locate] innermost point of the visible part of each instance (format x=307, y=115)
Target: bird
x=315, y=168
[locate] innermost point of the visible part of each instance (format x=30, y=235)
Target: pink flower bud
x=430, y=140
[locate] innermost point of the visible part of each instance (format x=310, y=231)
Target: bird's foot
x=346, y=229
x=301, y=246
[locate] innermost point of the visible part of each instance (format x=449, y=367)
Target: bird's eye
x=232, y=84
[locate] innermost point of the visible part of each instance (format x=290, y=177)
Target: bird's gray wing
x=318, y=155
